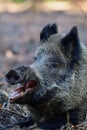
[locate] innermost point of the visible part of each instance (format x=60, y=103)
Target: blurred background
x=22, y=20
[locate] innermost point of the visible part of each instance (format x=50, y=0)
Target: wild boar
x=56, y=83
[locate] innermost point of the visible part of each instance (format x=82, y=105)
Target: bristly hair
x=71, y=44
x=47, y=31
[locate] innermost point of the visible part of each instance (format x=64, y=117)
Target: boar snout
x=22, y=74
x=12, y=77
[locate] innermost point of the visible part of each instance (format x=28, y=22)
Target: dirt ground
x=19, y=34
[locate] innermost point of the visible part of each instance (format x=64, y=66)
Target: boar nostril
x=12, y=76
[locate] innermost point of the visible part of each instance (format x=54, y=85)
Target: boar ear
x=47, y=31
x=70, y=45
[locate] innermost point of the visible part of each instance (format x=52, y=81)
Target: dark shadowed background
x=22, y=20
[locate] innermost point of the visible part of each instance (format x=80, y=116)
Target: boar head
x=51, y=78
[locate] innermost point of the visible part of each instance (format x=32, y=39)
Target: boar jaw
x=28, y=87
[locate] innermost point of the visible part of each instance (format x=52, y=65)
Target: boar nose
x=12, y=77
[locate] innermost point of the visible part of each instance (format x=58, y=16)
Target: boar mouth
x=27, y=87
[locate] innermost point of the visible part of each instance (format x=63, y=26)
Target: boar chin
x=24, y=90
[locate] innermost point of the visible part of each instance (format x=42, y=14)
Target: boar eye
x=53, y=65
